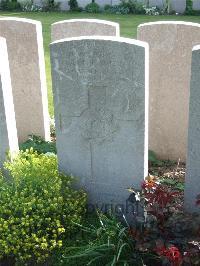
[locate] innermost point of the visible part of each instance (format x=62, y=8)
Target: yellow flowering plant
x=37, y=207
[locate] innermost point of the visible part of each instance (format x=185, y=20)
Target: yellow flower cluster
x=37, y=207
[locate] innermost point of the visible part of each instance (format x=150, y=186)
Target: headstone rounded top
x=100, y=21
x=104, y=38
x=83, y=27
x=196, y=47
x=185, y=23
x=22, y=20
x=26, y=59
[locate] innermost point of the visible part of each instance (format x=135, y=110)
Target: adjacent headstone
x=192, y=182
x=8, y=132
x=170, y=45
x=83, y=27
x=26, y=58
x=100, y=85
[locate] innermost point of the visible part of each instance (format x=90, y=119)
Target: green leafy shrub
x=152, y=11
x=37, y=205
x=133, y=6
x=107, y=7
x=189, y=7
x=153, y=160
x=45, y=6
x=8, y=5
x=116, y=9
x=126, y=7
x=50, y=5
x=29, y=6
x=38, y=144
x=73, y=4
x=92, y=7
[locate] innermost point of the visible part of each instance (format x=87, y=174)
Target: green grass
x=128, y=27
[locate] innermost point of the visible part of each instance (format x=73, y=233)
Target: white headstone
x=170, y=52
x=100, y=88
x=26, y=58
x=8, y=132
x=192, y=182
x=83, y=27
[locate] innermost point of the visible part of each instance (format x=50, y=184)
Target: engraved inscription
x=98, y=123
x=125, y=100
x=106, y=107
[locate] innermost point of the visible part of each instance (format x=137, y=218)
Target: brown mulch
x=172, y=170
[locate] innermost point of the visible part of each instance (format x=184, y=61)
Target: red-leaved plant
x=172, y=254
x=158, y=199
x=159, y=202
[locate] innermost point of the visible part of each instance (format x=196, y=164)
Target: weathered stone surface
x=192, y=184
x=83, y=27
x=99, y=87
x=26, y=58
x=170, y=45
x=8, y=132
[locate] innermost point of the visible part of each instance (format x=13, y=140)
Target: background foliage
x=38, y=144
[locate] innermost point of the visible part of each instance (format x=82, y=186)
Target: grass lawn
x=128, y=27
